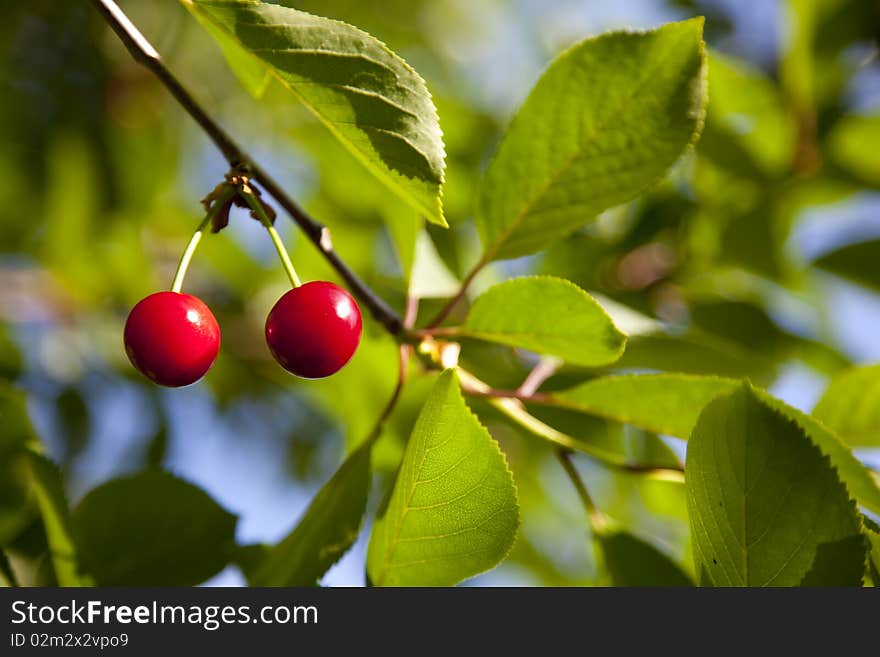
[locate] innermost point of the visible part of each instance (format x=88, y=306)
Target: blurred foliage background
x=758, y=256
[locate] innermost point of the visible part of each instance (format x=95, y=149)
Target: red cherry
x=314, y=329
x=172, y=338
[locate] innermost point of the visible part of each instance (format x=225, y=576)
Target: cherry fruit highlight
x=314, y=329
x=172, y=338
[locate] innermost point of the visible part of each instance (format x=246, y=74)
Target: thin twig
x=597, y=518
x=438, y=332
x=454, y=301
x=412, y=311
x=146, y=55
x=660, y=473
x=499, y=393
x=511, y=405
x=403, y=356
x=545, y=368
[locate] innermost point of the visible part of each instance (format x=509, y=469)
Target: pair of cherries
x=312, y=331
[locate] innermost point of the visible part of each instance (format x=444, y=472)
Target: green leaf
x=671, y=403
x=749, y=128
x=755, y=336
x=10, y=358
x=17, y=508
x=251, y=73
x=430, y=277
x=630, y=561
x=862, y=483
x=872, y=531
x=28, y=475
x=152, y=529
x=549, y=316
x=853, y=145
x=850, y=406
x=250, y=558
x=694, y=352
x=327, y=530
x=74, y=421
x=664, y=403
x=796, y=66
x=766, y=506
x=726, y=338
x=453, y=512
x=605, y=121
x=6, y=571
x=368, y=97
x=404, y=230
x=856, y=262
x=607, y=440
x=49, y=491
x=16, y=431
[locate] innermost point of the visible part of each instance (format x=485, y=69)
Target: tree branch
x=318, y=234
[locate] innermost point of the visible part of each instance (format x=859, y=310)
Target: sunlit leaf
x=453, y=512
x=431, y=277
x=664, y=403
x=549, y=316
x=853, y=144
x=592, y=135
x=671, y=403
x=851, y=406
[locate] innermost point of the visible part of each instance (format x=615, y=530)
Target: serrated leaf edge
x=699, y=85
x=355, y=534
x=758, y=395
x=434, y=215
x=497, y=447
x=551, y=399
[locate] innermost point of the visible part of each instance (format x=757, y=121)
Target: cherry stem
x=316, y=232
x=260, y=212
x=282, y=253
x=183, y=265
